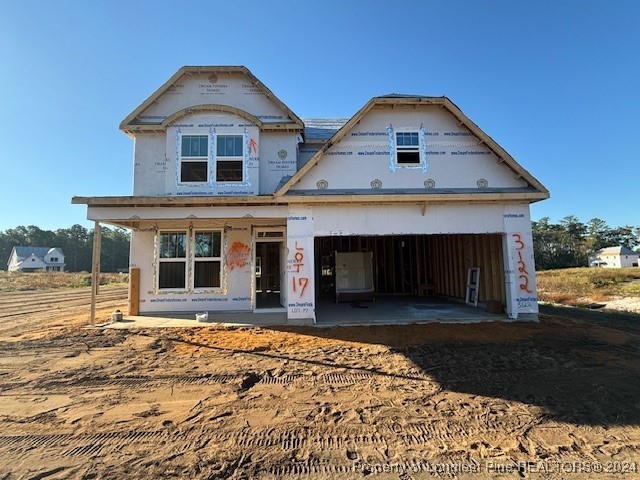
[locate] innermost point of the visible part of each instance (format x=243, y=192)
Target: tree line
x=76, y=243
x=569, y=242
x=565, y=244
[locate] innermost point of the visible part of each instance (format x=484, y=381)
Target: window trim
x=199, y=159
x=238, y=158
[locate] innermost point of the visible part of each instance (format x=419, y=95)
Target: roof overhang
x=229, y=201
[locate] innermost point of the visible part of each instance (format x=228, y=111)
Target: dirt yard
x=557, y=400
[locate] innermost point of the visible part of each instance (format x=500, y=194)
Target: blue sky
x=556, y=83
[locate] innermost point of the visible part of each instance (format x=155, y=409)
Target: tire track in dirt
x=83, y=444
x=13, y=309
x=204, y=379
x=32, y=314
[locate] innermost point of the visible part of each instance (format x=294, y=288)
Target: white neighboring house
x=32, y=259
x=614, y=257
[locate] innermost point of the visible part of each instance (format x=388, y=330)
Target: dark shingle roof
x=322, y=129
x=23, y=251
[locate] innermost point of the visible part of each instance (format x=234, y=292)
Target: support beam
x=95, y=269
x=134, y=291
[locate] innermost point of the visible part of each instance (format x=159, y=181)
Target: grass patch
x=572, y=286
x=17, y=281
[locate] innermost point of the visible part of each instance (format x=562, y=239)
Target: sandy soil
x=501, y=400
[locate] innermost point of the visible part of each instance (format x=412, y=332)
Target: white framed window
x=189, y=261
x=207, y=260
x=229, y=159
x=408, y=149
x=194, y=159
x=172, y=260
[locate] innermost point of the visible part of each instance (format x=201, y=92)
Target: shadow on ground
x=580, y=366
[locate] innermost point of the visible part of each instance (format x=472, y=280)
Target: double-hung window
x=207, y=262
x=407, y=148
x=194, y=159
x=229, y=158
x=189, y=259
x=172, y=261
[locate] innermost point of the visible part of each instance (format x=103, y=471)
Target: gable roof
x=22, y=251
x=400, y=99
x=129, y=124
x=621, y=250
x=26, y=251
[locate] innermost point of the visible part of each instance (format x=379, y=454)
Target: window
x=229, y=158
x=172, y=261
x=194, y=159
x=407, y=148
x=53, y=259
x=206, y=262
x=271, y=234
x=196, y=257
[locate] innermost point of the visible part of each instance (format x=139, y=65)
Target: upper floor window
x=194, y=159
x=407, y=148
x=53, y=259
x=229, y=158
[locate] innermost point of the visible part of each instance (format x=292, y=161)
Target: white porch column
x=300, y=266
x=95, y=269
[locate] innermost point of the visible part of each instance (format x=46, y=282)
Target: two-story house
x=239, y=205
x=35, y=259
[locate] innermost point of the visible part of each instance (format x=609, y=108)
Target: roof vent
x=429, y=183
x=376, y=184
x=482, y=183
x=322, y=184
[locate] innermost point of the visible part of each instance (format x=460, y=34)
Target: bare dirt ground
x=559, y=399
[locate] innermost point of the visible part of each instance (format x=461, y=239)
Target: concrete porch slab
x=178, y=320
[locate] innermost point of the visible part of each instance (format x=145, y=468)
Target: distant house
x=614, y=257
x=36, y=259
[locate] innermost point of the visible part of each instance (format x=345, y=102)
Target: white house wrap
x=239, y=205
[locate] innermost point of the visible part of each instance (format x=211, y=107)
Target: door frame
x=258, y=239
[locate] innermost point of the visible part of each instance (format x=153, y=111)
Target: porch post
x=95, y=269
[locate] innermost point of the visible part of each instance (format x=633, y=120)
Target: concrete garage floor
x=384, y=310
x=400, y=309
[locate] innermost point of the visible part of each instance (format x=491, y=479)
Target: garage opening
x=418, y=265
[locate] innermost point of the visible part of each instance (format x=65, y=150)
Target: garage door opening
x=419, y=268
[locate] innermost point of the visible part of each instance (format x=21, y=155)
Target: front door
x=268, y=274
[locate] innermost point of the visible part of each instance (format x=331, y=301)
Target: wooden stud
x=462, y=280
x=95, y=269
x=499, y=276
x=134, y=291
x=488, y=266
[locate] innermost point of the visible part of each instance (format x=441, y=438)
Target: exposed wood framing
x=95, y=269
x=440, y=260
x=351, y=199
